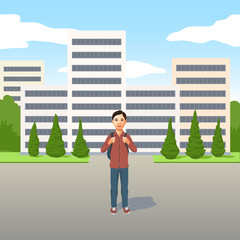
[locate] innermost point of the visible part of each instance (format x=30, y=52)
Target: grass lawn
x=14, y=157
x=233, y=158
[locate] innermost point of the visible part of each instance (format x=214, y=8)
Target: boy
x=119, y=160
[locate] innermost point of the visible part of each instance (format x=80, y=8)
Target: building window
x=97, y=68
x=201, y=81
x=96, y=93
x=96, y=54
x=96, y=106
x=202, y=93
x=96, y=81
x=22, y=69
x=45, y=93
x=22, y=79
x=96, y=41
x=203, y=106
x=150, y=106
x=201, y=68
x=150, y=93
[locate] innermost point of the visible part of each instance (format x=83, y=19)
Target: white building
x=96, y=83
x=40, y=104
x=148, y=110
x=14, y=74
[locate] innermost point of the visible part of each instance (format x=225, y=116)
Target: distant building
x=14, y=74
x=40, y=104
x=205, y=87
x=149, y=109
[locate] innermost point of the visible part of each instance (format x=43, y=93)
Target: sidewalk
x=72, y=201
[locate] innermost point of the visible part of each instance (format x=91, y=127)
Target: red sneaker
x=113, y=210
x=126, y=210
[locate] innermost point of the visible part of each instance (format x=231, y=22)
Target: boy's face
x=119, y=122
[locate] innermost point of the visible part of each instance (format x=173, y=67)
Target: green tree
x=195, y=148
x=33, y=144
x=235, y=126
x=218, y=145
x=170, y=149
x=9, y=140
x=10, y=116
x=80, y=148
x=55, y=145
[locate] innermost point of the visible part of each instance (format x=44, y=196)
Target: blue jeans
x=124, y=186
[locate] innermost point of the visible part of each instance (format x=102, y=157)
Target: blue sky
x=147, y=25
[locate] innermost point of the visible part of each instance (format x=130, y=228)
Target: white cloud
x=63, y=70
x=225, y=31
x=134, y=69
x=17, y=34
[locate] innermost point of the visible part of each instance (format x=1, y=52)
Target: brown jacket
x=119, y=152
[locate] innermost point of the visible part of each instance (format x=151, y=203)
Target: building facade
x=96, y=83
x=149, y=109
x=15, y=74
x=204, y=87
x=40, y=104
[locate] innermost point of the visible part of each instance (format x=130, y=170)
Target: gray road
x=72, y=201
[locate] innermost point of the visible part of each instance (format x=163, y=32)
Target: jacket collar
x=115, y=133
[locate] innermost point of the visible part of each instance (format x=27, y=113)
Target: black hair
x=118, y=113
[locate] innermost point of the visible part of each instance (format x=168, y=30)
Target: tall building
x=39, y=105
x=204, y=87
x=14, y=74
x=96, y=83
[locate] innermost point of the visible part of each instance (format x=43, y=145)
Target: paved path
x=72, y=201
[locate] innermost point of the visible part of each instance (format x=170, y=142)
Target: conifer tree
x=33, y=144
x=218, y=145
x=80, y=148
x=170, y=149
x=195, y=148
x=55, y=145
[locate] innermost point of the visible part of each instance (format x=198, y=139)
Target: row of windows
x=137, y=144
x=150, y=93
x=22, y=69
x=202, y=93
x=203, y=119
x=44, y=144
x=204, y=106
x=97, y=68
x=96, y=81
x=129, y=131
x=150, y=106
x=44, y=131
x=140, y=119
x=46, y=93
x=202, y=131
x=201, y=68
x=101, y=106
x=96, y=41
x=22, y=79
x=96, y=93
x=45, y=106
x=12, y=89
x=206, y=144
x=96, y=55
x=16, y=98
x=201, y=80
x=44, y=119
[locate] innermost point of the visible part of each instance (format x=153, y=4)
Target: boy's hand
x=125, y=140
x=111, y=140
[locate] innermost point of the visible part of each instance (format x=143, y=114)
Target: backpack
x=110, y=147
